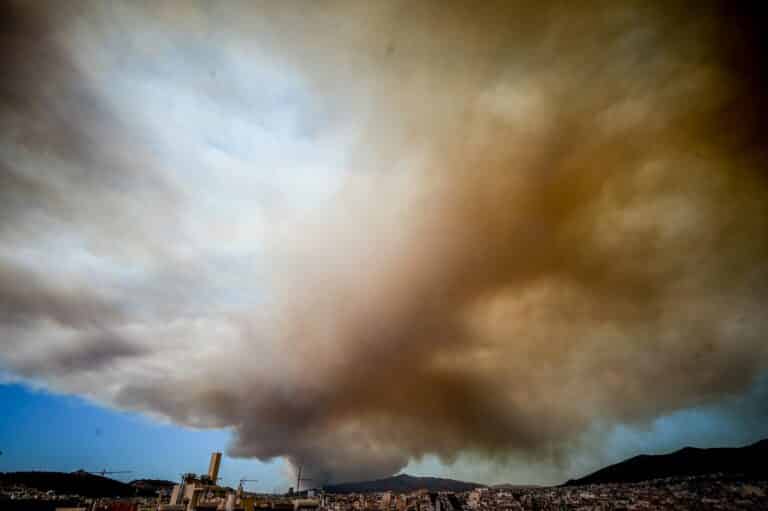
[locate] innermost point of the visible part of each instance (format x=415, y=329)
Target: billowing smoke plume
x=359, y=233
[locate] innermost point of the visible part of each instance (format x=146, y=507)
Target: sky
x=44, y=431
x=506, y=242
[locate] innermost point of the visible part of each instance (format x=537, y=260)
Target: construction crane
x=299, y=479
x=104, y=472
x=240, y=485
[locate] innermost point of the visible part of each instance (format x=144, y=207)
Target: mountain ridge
x=403, y=483
x=688, y=461
x=73, y=483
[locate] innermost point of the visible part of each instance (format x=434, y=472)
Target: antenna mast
x=299, y=479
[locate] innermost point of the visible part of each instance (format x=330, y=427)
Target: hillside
x=152, y=486
x=75, y=483
x=402, y=483
x=748, y=461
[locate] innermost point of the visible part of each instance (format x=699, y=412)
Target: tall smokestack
x=213, y=467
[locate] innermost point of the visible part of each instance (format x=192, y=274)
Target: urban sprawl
x=200, y=493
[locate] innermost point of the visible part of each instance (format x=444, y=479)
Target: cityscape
x=715, y=491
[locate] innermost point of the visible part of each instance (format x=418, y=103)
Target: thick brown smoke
x=551, y=216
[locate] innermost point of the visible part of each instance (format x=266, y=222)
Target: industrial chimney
x=213, y=467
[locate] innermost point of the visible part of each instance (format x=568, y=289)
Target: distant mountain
x=403, y=483
x=75, y=483
x=749, y=461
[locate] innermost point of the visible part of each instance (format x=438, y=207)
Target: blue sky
x=43, y=431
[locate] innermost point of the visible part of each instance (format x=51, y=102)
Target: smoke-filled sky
x=367, y=235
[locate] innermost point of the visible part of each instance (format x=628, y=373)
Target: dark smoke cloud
x=546, y=218
x=89, y=353
x=26, y=297
x=67, y=158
